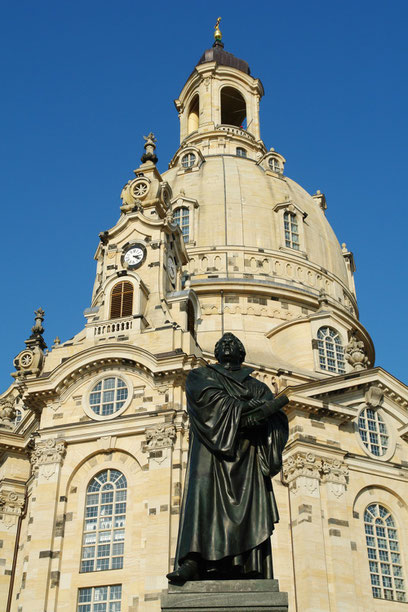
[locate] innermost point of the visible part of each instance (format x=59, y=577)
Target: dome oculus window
x=188, y=160
x=241, y=152
x=331, y=351
x=373, y=432
x=384, y=557
x=108, y=396
x=274, y=165
x=291, y=231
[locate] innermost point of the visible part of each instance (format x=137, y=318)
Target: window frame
x=391, y=433
x=289, y=207
x=107, y=374
x=290, y=243
x=241, y=152
x=86, y=606
x=317, y=348
x=112, y=530
x=381, y=555
x=190, y=162
x=180, y=208
x=122, y=316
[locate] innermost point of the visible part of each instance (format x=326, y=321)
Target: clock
x=171, y=268
x=133, y=256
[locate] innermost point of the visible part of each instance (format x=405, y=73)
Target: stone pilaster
x=302, y=472
x=40, y=586
x=159, y=445
x=12, y=501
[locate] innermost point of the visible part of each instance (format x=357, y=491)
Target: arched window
x=105, y=512
x=241, y=152
x=291, y=230
x=384, y=557
x=191, y=318
x=188, y=160
x=194, y=114
x=274, y=165
x=181, y=216
x=331, y=351
x=122, y=300
x=373, y=431
x=233, y=107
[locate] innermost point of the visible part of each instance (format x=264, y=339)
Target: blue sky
x=83, y=81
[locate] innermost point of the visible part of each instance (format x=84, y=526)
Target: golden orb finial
x=217, y=31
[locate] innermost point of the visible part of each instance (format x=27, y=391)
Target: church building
x=94, y=431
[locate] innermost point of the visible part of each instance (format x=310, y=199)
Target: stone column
x=302, y=472
x=41, y=576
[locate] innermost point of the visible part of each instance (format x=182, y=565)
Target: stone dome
x=264, y=260
x=238, y=204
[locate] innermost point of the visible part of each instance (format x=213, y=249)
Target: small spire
x=149, y=146
x=217, y=31
x=37, y=330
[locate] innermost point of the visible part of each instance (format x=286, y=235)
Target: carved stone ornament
x=160, y=436
x=7, y=414
x=132, y=194
x=46, y=455
x=374, y=396
x=11, y=505
x=304, y=472
x=301, y=464
x=356, y=354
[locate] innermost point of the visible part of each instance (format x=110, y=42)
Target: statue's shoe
x=188, y=570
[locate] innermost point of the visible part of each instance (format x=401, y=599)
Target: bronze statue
x=238, y=432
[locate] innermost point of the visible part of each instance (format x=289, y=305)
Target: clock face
x=134, y=256
x=171, y=267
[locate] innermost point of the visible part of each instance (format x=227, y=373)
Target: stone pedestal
x=225, y=596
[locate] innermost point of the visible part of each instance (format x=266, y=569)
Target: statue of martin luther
x=238, y=432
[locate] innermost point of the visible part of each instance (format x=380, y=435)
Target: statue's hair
x=241, y=347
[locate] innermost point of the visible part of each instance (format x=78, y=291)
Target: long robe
x=229, y=509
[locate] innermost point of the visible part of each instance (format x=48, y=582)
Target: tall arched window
x=233, y=107
x=122, y=300
x=331, y=351
x=181, y=216
x=105, y=513
x=384, y=557
x=191, y=318
x=291, y=230
x=194, y=114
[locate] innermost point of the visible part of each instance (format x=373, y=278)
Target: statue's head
x=229, y=349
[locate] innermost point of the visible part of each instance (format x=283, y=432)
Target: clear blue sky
x=83, y=81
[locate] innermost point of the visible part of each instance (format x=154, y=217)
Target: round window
x=108, y=396
x=373, y=432
x=188, y=160
x=140, y=189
